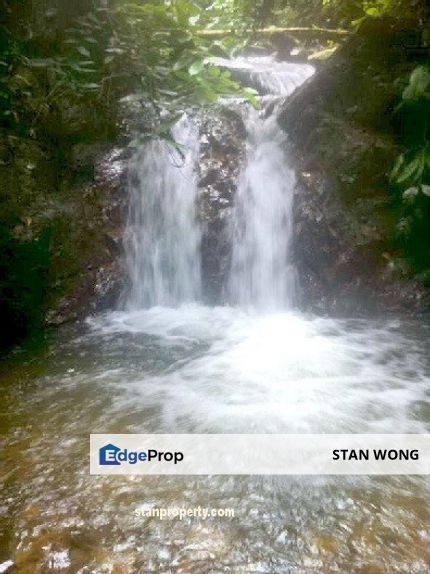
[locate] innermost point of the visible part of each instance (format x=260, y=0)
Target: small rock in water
x=59, y=560
x=282, y=538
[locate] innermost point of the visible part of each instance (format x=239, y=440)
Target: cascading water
x=162, y=239
x=262, y=274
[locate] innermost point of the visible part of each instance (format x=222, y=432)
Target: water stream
x=166, y=363
x=162, y=238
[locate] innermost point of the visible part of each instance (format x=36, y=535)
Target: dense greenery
x=67, y=69
x=147, y=51
x=411, y=174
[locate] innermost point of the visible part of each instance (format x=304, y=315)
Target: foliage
x=64, y=74
x=23, y=277
x=149, y=51
x=411, y=173
x=331, y=13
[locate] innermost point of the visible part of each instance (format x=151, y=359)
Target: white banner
x=268, y=454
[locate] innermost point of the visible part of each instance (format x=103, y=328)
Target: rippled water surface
x=200, y=369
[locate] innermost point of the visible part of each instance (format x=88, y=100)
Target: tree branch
x=327, y=32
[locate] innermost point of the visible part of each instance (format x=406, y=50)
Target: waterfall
x=162, y=367
x=262, y=274
x=162, y=240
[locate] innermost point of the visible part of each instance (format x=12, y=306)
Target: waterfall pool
x=215, y=370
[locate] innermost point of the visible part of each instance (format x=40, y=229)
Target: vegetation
x=411, y=174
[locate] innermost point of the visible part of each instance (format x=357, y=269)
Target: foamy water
x=275, y=372
x=201, y=369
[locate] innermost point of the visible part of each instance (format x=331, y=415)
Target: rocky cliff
x=342, y=129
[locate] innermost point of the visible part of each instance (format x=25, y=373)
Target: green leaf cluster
x=147, y=50
x=410, y=176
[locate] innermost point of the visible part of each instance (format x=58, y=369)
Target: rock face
x=340, y=125
x=222, y=137
x=98, y=278
x=60, y=231
x=100, y=197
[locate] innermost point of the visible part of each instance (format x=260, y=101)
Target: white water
x=162, y=239
x=223, y=369
x=262, y=274
x=267, y=75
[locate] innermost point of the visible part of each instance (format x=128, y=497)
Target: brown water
x=197, y=369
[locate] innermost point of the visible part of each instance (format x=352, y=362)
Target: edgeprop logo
x=111, y=454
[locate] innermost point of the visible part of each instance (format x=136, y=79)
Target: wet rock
x=340, y=126
x=344, y=263
x=222, y=136
x=98, y=277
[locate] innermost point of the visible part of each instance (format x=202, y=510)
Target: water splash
x=162, y=239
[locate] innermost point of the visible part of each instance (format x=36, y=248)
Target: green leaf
x=40, y=63
x=214, y=71
x=410, y=167
x=86, y=63
x=409, y=171
x=419, y=84
x=90, y=86
x=410, y=193
x=207, y=91
x=115, y=50
x=251, y=96
x=427, y=157
x=373, y=12
x=397, y=166
x=84, y=51
x=196, y=67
